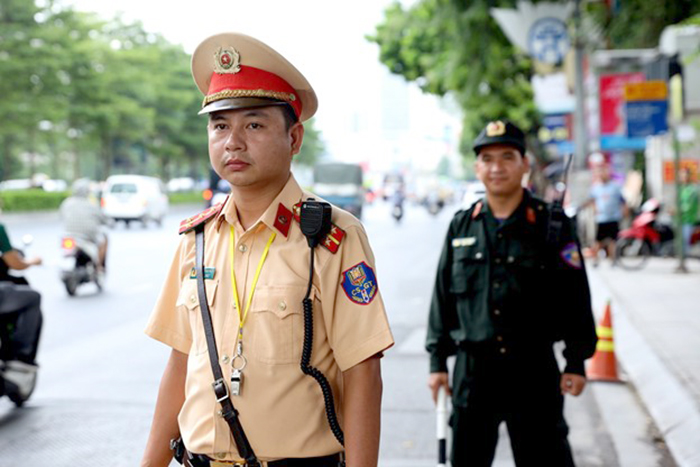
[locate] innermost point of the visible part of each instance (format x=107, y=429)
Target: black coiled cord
x=309, y=370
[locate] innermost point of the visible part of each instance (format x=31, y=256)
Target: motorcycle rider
x=398, y=198
x=84, y=219
x=18, y=298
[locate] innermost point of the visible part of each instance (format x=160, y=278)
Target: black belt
x=199, y=460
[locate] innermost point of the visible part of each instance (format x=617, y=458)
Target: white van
x=134, y=198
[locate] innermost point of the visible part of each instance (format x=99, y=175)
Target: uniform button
x=478, y=255
x=499, y=338
x=500, y=235
x=510, y=259
x=221, y=455
x=497, y=312
x=225, y=359
x=242, y=248
x=496, y=285
x=282, y=306
x=502, y=350
x=498, y=260
x=193, y=298
x=220, y=413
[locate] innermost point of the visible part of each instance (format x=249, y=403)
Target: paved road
x=100, y=373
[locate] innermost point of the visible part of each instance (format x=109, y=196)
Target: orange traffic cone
x=603, y=365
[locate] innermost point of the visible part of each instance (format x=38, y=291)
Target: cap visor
x=503, y=142
x=238, y=103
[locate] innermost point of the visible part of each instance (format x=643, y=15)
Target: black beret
x=500, y=132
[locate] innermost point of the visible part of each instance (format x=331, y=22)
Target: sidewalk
x=656, y=321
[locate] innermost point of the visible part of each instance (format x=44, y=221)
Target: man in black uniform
x=504, y=294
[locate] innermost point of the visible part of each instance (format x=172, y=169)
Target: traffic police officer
x=256, y=269
x=504, y=294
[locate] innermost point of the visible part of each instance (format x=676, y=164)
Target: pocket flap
x=469, y=253
x=189, y=297
x=282, y=300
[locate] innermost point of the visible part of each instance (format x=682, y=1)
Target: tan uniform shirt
x=281, y=409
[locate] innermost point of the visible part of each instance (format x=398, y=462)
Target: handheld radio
x=315, y=222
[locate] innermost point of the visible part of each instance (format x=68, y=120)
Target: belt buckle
x=215, y=463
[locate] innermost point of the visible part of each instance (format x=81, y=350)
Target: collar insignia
x=477, y=209
x=283, y=219
x=530, y=215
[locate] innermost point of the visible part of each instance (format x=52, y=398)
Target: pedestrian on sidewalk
x=689, y=206
x=505, y=292
x=276, y=315
x=610, y=208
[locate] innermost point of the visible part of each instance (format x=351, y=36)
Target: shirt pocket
x=277, y=322
x=466, y=262
x=188, y=302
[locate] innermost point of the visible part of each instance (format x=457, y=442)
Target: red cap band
x=252, y=82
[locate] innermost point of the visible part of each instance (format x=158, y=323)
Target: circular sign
x=548, y=40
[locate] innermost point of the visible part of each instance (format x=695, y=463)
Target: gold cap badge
x=227, y=60
x=496, y=128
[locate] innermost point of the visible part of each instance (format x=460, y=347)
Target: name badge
x=463, y=241
x=208, y=273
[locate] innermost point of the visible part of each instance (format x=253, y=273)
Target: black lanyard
x=229, y=412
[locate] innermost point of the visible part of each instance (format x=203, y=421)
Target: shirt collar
x=288, y=197
x=517, y=216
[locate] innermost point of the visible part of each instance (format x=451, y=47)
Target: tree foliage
x=638, y=24
x=88, y=97
x=450, y=46
x=312, y=146
x=456, y=47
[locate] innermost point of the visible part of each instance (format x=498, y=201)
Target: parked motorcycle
x=80, y=259
x=17, y=379
x=644, y=238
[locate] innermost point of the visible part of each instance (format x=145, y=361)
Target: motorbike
x=434, y=204
x=80, y=260
x=397, y=212
x=646, y=237
x=17, y=380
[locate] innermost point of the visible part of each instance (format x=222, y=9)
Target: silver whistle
x=236, y=380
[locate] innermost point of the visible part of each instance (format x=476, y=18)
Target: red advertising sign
x=612, y=101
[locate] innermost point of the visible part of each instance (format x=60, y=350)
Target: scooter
x=397, y=212
x=79, y=264
x=17, y=379
x=644, y=238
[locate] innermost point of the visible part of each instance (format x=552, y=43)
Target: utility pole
x=676, y=85
x=579, y=114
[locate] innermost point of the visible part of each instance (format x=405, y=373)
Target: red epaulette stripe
x=194, y=221
x=333, y=239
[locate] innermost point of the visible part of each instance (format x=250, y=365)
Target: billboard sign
x=612, y=102
x=646, y=108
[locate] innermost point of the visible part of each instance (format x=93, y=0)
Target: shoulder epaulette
x=192, y=222
x=333, y=239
